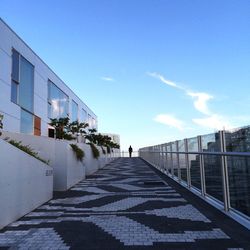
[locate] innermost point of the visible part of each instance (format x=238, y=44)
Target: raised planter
x=25, y=183
x=66, y=168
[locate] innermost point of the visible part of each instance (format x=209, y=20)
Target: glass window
x=58, y=102
x=93, y=123
x=84, y=115
x=74, y=114
x=14, y=91
x=26, y=122
x=89, y=121
x=15, y=66
x=26, y=89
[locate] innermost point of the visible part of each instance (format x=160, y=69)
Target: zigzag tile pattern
x=126, y=205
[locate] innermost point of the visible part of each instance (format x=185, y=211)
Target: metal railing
x=215, y=166
x=126, y=154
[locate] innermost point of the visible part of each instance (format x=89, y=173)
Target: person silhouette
x=130, y=150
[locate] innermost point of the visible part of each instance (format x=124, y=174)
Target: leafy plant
x=27, y=149
x=78, y=152
x=95, y=151
x=1, y=123
x=103, y=150
x=60, y=126
x=78, y=128
x=91, y=136
x=68, y=137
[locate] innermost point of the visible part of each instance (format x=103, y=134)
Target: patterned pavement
x=126, y=205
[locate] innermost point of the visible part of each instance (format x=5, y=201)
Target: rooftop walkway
x=126, y=205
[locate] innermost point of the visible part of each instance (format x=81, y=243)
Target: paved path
x=126, y=205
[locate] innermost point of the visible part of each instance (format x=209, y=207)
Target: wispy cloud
x=161, y=78
x=200, y=98
x=170, y=120
x=200, y=101
x=107, y=78
x=214, y=121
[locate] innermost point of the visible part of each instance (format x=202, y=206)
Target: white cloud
x=161, y=78
x=200, y=101
x=107, y=78
x=214, y=122
x=200, y=98
x=169, y=120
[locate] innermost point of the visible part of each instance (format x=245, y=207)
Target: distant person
x=130, y=150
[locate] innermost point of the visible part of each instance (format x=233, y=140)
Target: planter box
x=25, y=183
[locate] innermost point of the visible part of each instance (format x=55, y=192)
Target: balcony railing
x=216, y=166
x=126, y=154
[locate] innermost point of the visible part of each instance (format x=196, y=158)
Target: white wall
x=25, y=183
x=67, y=169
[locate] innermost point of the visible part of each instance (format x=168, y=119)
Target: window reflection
x=74, y=115
x=26, y=122
x=58, y=102
x=84, y=115
x=26, y=90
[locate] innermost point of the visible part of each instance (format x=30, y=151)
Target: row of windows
x=58, y=105
x=22, y=93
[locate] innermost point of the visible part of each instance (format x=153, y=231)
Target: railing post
x=178, y=161
x=159, y=156
x=187, y=164
x=171, y=157
x=202, y=170
x=161, y=160
x=226, y=194
x=165, y=159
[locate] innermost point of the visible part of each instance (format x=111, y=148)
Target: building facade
x=31, y=93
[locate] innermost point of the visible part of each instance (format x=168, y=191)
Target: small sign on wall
x=49, y=172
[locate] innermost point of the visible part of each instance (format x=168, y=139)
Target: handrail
x=226, y=178
x=241, y=154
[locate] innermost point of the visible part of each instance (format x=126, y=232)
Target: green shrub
x=1, y=123
x=78, y=152
x=103, y=151
x=68, y=137
x=95, y=151
x=27, y=149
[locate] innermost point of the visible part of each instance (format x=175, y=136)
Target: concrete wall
x=25, y=183
x=67, y=169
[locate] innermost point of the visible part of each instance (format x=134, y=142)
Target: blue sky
x=152, y=70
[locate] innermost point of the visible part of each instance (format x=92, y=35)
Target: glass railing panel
x=169, y=161
x=210, y=142
x=194, y=162
x=239, y=169
x=182, y=161
x=212, y=166
x=175, y=159
x=164, y=157
x=239, y=183
x=213, y=176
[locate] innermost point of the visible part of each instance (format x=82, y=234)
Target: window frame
x=14, y=81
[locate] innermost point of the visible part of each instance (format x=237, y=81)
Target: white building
x=30, y=92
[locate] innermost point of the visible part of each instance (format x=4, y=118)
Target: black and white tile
x=126, y=205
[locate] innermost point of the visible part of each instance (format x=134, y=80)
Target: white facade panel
x=42, y=74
